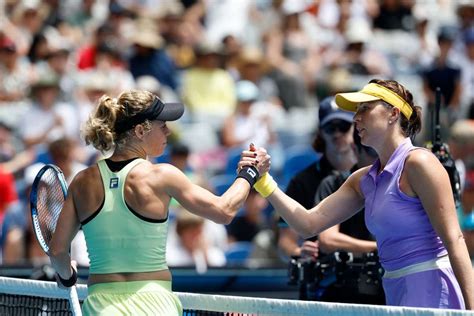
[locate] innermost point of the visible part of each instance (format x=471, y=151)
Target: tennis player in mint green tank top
x=408, y=201
x=122, y=205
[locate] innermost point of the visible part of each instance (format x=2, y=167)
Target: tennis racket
x=47, y=197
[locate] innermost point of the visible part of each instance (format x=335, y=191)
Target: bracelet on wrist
x=265, y=185
x=250, y=174
x=71, y=281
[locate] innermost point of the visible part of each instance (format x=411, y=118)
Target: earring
x=389, y=122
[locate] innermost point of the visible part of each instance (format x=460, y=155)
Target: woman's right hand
x=263, y=161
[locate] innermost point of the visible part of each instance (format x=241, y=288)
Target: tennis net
x=30, y=297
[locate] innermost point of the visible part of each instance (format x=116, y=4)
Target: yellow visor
x=372, y=92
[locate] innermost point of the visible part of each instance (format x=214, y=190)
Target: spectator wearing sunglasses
x=335, y=142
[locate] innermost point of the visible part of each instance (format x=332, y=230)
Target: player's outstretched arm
x=202, y=202
x=334, y=209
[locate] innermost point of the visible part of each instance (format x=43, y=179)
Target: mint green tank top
x=117, y=238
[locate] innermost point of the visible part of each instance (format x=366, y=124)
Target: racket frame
x=72, y=291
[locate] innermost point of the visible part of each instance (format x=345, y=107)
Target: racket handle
x=74, y=301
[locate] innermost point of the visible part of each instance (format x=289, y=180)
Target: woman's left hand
x=248, y=158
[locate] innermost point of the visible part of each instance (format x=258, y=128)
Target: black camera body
x=370, y=276
x=338, y=277
x=441, y=151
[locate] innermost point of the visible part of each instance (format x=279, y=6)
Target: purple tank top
x=399, y=222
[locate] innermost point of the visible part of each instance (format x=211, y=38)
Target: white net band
x=240, y=305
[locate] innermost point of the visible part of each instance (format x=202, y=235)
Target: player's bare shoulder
x=354, y=180
x=421, y=163
x=153, y=174
x=84, y=178
x=357, y=175
x=420, y=157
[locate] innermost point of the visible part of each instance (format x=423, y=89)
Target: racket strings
x=49, y=204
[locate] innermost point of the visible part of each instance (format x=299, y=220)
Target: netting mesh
x=13, y=305
x=28, y=297
x=49, y=202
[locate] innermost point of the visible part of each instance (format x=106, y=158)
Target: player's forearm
x=462, y=268
x=294, y=213
x=345, y=242
x=61, y=262
x=233, y=199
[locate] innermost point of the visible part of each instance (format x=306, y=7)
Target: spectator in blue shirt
x=150, y=58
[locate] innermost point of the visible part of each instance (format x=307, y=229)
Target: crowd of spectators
x=246, y=70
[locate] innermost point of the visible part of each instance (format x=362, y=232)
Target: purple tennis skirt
x=437, y=288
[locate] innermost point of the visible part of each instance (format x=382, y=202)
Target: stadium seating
x=238, y=253
x=297, y=158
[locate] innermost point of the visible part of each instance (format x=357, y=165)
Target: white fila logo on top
x=114, y=183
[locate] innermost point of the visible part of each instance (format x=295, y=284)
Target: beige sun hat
x=147, y=38
x=96, y=81
x=463, y=131
x=250, y=55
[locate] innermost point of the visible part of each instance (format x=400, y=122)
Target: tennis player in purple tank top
x=408, y=204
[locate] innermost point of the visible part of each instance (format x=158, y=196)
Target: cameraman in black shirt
x=334, y=141
x=353, y=237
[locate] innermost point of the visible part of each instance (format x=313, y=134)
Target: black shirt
x=302, y=187
x=445, y=77
x=354, y=226
x=241, y=229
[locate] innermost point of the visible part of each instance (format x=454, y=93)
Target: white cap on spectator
x=246, y=91
x=148, y=83
x=31, y=4
x=358, y=31
x=294, y=6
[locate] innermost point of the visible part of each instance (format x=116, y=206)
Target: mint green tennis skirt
x=132, y=298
